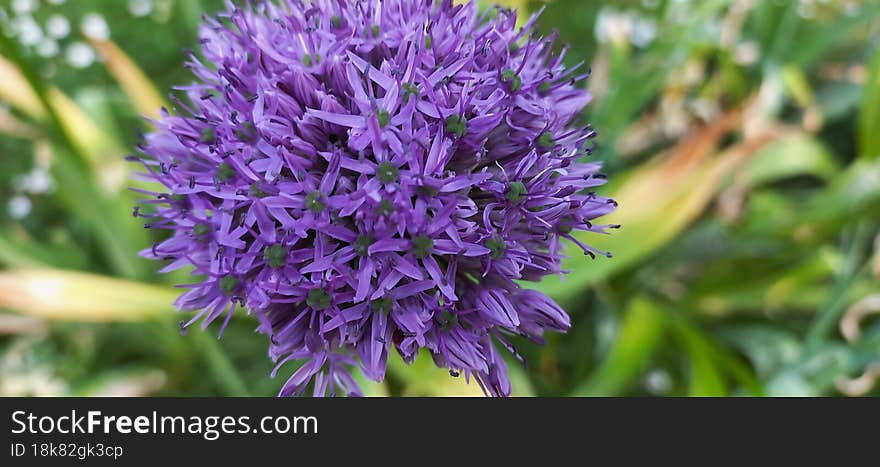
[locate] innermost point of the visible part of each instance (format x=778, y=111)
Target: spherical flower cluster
x=368, y=176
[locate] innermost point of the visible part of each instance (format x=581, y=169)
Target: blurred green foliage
x=741, y=137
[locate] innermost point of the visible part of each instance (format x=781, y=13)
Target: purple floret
x=375, y=175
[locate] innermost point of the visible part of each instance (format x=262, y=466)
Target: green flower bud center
x=409, y=89
x=512, y=79
x=385, y=207
x=314, y=203
x=456, y=124
x=515, y=191
x=318, y=299
x=207, y=135
x=381, y=305
x=447, y=320
x=362, y=244
x=200, y=229
x=225, y=172
x=228, y=284
x=335, y=21
x=275, y=256
x=546, y=140
x=496, y=246
x=383, y=117
x=387, y=172
x=256, y=192
x=307, y=60
x=428, y=191
x=422, y=246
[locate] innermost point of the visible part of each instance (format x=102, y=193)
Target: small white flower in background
x=47, y=48
x=95, y=26
x=35, y=182
x=706, y=109
x=746, y=53
x=23, y=7
x=806, y=9
x=38, y=382
x=58, y=26
x=611, y=26
x=711, y=30
x=140, y=8
x=675, y=119
x=678, y=11
x=624, y=27
x=19, y=206
x=644, y=31
x=658, y=382
x=851, y=8
x=22, y=375
x=29, y=32
x=80, y=55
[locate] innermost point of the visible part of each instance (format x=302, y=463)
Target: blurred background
x=741, y=139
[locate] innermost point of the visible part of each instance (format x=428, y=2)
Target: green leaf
x=368, y=387
x=639, y=335
x=423, y=378
x=853, y=194
x=219, y=364
x=817, y=41
x=869, y=117
x=19, y=252
x=109, y=219
x=798, y=154
x=797, y=85
x=706, y=378
x=859, y=238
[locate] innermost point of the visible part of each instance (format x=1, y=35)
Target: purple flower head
x=375, y=176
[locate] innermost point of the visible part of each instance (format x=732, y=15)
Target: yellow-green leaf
x=869, y=118
x=797, y=154
x=639, y=334
x=75, y=296
x=95, y=144
x=706, y=378
x=131, y=78
x=657, y=202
